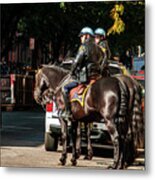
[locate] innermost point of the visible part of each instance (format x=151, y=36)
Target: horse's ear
x=50, y=63
x=40, y=66
x=43, y=65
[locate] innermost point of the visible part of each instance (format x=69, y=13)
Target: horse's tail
x=124, y=118
x=137, y=118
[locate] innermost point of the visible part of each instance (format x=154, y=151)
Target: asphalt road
x=23, y=128
x=22, y=145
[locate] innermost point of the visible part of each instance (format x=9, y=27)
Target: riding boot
x=67, y=113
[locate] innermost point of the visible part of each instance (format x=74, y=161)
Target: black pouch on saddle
x=83, y=75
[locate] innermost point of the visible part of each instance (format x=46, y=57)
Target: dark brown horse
x=106, y=99
x=135, y=118
x=135, y=134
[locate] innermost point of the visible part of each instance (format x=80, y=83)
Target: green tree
x=57, y=25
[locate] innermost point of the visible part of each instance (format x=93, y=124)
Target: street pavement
x=22, y=145
x=23, y=128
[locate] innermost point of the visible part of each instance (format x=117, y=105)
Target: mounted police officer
x=86, y=65
x=89, y=57
x=100, y=39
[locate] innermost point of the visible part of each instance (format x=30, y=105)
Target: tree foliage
x=57, y=25
x=115, y=14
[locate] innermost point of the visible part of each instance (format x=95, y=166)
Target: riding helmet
x=100, y=31
x=86, y=30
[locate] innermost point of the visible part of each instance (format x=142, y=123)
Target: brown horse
x=135, y=134
x=107, y=99
x=135, y=118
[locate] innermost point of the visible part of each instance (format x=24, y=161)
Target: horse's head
x=48, y=78
x=41, y=86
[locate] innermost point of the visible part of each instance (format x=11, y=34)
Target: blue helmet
x=86, y=30
x=100, y=31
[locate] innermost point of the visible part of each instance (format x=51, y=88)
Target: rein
x=62, y=83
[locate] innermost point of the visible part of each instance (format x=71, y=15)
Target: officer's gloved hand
x=72, y=73
x=73, y=70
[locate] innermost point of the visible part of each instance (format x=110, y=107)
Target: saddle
x=78, y=93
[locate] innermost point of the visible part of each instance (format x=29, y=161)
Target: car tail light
x=49, y=107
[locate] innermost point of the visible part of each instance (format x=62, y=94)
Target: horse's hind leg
x=74, y=126
x=122, y=129
x=64, y=141
x=89, y=154
x=116, y=142
x=78, y=140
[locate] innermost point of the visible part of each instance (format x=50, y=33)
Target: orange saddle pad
x=78, y=93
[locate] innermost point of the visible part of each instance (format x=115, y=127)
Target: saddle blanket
x=78, y=93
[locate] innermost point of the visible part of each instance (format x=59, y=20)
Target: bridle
x=53, y=91
x=62, y=83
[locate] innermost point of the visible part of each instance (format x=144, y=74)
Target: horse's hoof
x=74, y=162
x=85, y=157
x=62, y=161
x=122, y=167
x=111, y=167
x=88, y=157
x=78, y=155
x=60, y=164
x=115, y=167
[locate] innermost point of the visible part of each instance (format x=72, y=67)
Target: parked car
x=99, y=134
x=52, y=127
x=116, y=67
